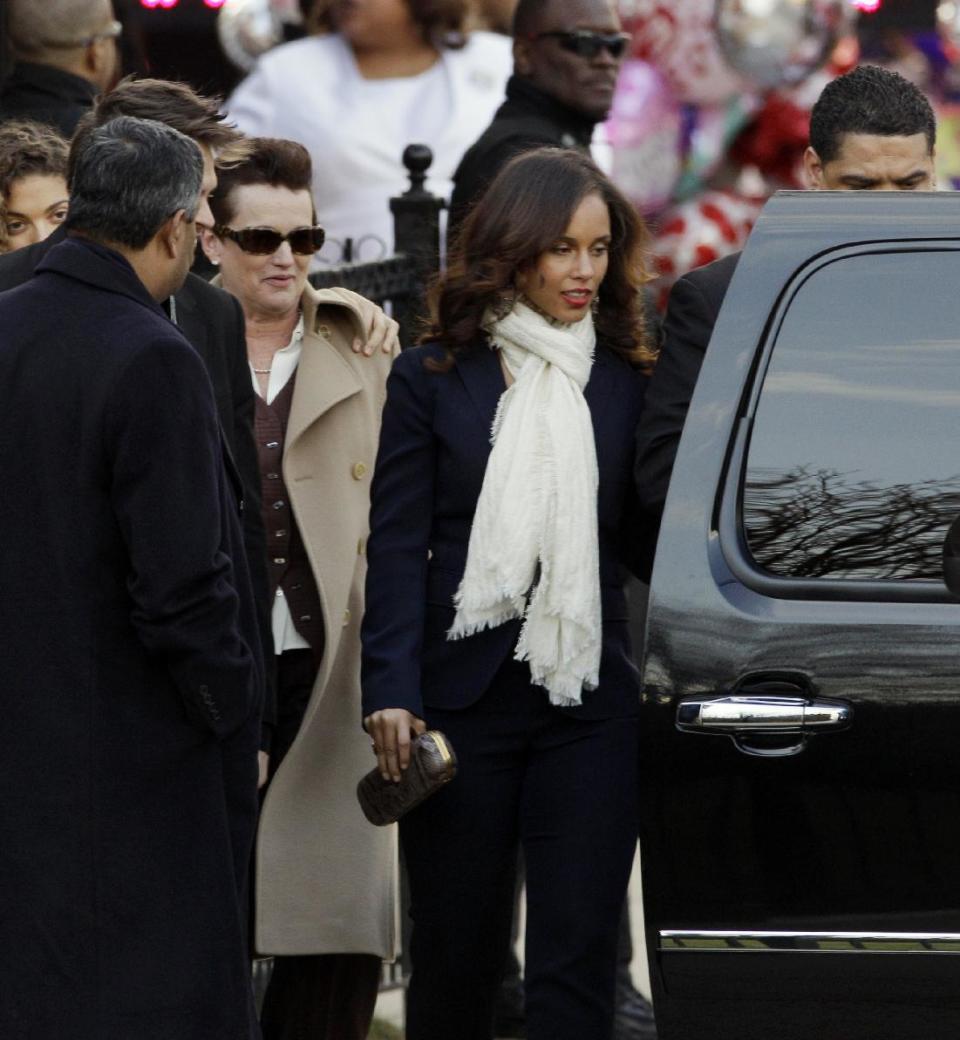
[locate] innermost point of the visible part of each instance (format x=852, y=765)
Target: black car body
x=800, y=829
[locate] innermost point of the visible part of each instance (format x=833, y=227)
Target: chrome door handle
x=743, y=717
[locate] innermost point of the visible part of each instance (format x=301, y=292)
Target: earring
x=216, y=263
x=504, y=304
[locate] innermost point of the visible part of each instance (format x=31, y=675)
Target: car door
x=800, y=826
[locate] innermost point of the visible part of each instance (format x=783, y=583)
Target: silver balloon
x=948, y=18
x=777, y=43
x=249, y=28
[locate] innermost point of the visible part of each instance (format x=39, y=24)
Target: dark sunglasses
x=263, y=240
x=587, y=44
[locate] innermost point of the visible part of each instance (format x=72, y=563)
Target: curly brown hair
x=527, y=207
x=442, y=22
x=27, y=147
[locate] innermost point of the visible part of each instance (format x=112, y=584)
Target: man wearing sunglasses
x=566, y=58
x=66, y=53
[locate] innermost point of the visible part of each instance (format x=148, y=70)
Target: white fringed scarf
x=538, y=505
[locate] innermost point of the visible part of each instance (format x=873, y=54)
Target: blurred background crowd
x=710, y=114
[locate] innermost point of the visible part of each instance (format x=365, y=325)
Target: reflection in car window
x=854, y=464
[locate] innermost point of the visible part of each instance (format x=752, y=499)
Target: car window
x=853, y=470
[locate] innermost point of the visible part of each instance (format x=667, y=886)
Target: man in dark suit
x=870, y=130
x=211, y=319
x=131, y=680
x=567, y=57
x=66, y=53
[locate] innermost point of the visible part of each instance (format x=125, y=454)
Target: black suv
x=801, y=708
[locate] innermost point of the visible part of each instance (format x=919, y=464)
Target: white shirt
x=356, y=129
x=285, y=361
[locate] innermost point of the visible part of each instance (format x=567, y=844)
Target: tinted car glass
x=853, y=470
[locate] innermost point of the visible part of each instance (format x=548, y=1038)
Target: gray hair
x=128, y=177
x=37, y=26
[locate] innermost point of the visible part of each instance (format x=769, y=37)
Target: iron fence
x=399, y=280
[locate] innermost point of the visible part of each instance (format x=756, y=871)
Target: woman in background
x=387, y=73
x=33, y=183
x=324, y=879
x=495, y=601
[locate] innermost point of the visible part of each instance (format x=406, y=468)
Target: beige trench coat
x=326, y=879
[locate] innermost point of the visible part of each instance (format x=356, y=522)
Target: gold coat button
x=346, y=617
x=359, y=470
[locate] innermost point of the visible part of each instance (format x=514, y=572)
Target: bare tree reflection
x=823, y=524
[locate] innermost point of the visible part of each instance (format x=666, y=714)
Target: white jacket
x=356, y=130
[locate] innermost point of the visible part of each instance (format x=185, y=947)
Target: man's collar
x=521, y=92
x=99, y=266
x=52, y=80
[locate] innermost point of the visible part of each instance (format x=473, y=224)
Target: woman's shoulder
x=426, y=359
x=610, y=354
x=487, y=58
x=488, y=44
x=312, y=55
x=632, y=377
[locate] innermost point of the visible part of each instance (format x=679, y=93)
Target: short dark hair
x=527, y=207
x=869, y=100
x=528, y=17
x=270, y=160
x=440, y=21
x=28, y=147
x=129, y=177
x=173, y=104
x=41, y=30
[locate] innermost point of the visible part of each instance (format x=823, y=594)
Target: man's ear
x=813, y=168
x=213, y=246
x=521, y=56
x=97, y=55
x=172, y=235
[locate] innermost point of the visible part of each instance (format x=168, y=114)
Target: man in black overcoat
x=870, y=130
x=566, y=58
x=210, y=318
x=130, y=678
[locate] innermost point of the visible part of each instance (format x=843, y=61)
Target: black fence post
x=416, y=222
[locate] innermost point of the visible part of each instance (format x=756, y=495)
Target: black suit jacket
x=692, y=310
x=212, y=321
x=130, y=677
x=434, y=445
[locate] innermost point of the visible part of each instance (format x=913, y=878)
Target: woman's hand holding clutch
x=392, y=730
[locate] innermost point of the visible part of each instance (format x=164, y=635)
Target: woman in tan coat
x=325, y=879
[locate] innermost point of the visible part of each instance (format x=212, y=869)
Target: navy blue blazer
x=434, y=445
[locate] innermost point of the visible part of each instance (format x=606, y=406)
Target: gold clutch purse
x=432, y=764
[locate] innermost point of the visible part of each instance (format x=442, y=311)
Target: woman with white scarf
x=500, y=512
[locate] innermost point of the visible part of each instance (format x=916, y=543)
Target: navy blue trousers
x=563, y=789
